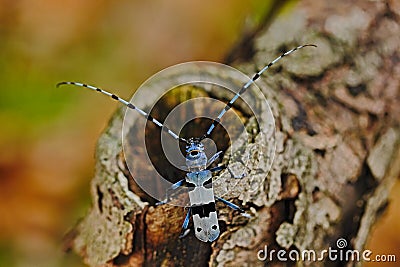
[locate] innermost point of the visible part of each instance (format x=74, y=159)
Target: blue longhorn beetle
x=199, y=178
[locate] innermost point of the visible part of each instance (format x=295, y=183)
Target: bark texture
x=337, y=135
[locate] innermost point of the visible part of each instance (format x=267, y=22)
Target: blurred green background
x=48, y=135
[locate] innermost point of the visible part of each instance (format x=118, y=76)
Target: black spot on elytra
x=204, y=210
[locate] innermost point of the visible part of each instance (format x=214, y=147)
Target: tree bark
x=337, y=134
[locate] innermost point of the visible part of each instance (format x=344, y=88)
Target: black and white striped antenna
x=245, y=87
x=131, y=106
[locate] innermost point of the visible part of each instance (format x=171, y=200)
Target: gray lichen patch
x=283, y=31
x=345, y=27
x=310, y=63
x=286, y=234
x=346, y=166
x=303, y=165
x=380, y=156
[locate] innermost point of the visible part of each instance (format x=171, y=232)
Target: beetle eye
x=194, y=153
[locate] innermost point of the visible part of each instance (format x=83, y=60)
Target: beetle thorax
x=196, y=159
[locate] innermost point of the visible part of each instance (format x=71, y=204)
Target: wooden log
x=337, y=151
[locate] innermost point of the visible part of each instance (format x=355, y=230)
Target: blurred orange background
x=48, y=135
